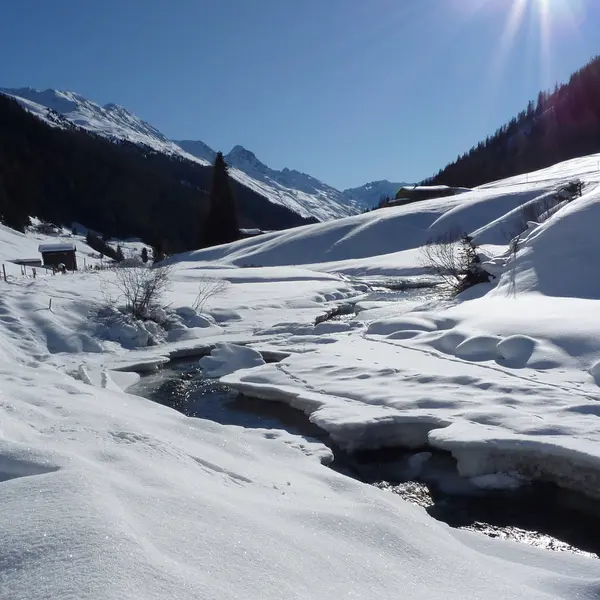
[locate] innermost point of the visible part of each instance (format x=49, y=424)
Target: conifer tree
x=221, y=225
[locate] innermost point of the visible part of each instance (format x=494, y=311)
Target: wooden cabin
x=250, y=233
x=424, y=192
x=54, y=255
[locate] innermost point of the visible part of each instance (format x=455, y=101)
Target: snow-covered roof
x=425, y=188
x=64, y=247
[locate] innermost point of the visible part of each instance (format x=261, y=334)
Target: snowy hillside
x=299, y=192
x=529, y=334
x=106, y=495
x=111, y=120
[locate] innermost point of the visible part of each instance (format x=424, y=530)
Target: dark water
x=540, y=515
x=182, y=387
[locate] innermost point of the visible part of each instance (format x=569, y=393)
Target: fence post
x=4, y=271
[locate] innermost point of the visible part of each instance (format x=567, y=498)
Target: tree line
x=558, y=126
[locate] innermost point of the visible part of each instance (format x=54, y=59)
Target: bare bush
x=535, y=211
x=454, y=258
x=208, y=288
x=142, y=288
x=442, y=257
x=539, y=210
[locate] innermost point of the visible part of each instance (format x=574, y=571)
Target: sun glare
x=551, y=18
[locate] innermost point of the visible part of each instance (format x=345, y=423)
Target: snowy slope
x=108, y=496
x=111, y=120
x=301, y=193
x=505, y=377
x=384, y=236
x=198, y=149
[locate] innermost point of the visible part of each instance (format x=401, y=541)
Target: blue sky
x=347, y=90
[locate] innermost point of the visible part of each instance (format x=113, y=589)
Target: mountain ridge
x=306, y=195
x=357, y=199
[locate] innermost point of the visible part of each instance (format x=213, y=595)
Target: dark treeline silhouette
x=221, y=223
x=562, y=124
x=122, y=189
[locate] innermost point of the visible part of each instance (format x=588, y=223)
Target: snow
x=228, y=358
x=108, y=495
x=138, y=501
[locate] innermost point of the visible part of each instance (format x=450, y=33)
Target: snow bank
x=227, y=358
x=372, y=393
x=109, y=496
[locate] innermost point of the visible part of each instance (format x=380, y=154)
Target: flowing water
x=539, y=515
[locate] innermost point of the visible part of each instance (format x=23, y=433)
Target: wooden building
x=249, y=233
x=424, y=192
x=55, y=255
x=27, y=262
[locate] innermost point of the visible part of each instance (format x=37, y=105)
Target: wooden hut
x=55, y=255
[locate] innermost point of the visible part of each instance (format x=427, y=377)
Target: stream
x=540, y=515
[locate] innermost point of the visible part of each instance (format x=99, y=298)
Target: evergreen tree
x=221, y=224
x=119, y=254
x=157, y=253
x=144, y=255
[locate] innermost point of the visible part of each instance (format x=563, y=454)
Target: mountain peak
x=114, y=107
x=239, y=152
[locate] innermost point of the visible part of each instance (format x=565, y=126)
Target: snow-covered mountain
x=111, y=120
x=300, y=192
x=305, y=195
x=371, y=193
x=198, y=149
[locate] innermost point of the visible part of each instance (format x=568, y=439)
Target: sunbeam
x=550, y=18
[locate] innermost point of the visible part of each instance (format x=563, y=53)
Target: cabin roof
x=65, y=247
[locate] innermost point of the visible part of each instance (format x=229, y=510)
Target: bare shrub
x=535, y=211
x=453, y=257
x=441, y=257
x=208, y=288
x=539, y=209
x=142, y=288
